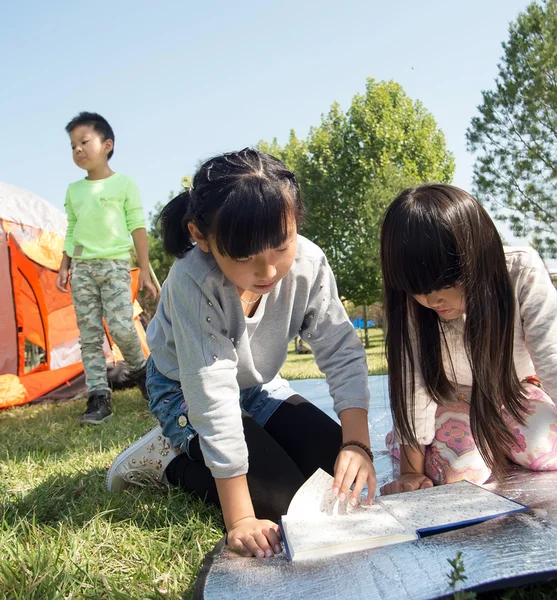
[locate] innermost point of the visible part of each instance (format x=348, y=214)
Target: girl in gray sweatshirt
x=244, y=285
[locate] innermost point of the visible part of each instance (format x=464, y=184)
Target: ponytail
x=174, y=219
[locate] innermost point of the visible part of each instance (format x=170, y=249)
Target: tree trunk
x=366, y=336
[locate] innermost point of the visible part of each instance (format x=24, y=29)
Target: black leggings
x=296, y=440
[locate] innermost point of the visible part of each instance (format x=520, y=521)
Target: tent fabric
x=28, y=210
x=8, y=337
x=39, y=338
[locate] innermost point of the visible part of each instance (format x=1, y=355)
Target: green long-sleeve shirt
x=101, y=216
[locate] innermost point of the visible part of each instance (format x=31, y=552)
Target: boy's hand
x=62, y=280
x=407, y=482
x=353, y=466
x=254, y=537
x=145, y=282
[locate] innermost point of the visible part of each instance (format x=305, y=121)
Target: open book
x=318, y=524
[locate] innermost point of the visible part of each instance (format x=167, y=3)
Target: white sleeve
x=537, y=299
x=422, y=411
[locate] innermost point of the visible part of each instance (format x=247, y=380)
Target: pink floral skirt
x=453, y=455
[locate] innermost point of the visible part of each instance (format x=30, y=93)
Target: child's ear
x=109, y=145
x=198, y=237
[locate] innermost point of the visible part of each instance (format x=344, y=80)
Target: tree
x=159, y=259
x=515, y=135
x=352, y=166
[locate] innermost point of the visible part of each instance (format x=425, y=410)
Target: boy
x=103, y=209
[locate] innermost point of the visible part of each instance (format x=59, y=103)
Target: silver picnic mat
x=504, y=552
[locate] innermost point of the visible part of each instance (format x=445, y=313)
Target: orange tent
x=39, y=340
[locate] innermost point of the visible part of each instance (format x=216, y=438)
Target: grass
x=63, y=536
x=302, y=366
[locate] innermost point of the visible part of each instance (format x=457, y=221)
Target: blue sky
x=180, y=81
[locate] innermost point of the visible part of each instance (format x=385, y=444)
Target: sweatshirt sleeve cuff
x=227, y=472
x=341, y=405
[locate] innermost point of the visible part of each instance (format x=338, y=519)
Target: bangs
x=420, y=256
x=258, y=214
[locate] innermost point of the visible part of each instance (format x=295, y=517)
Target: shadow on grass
x=50, y=431
x=152, y=527
x=54, y=468
x=81, y=497
x=54, y=503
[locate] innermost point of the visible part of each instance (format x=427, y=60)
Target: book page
x=315, y=499
x=319, y=524
x=445, y=505
x=368, y=527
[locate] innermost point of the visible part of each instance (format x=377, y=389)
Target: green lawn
x=303, y=366
x=63, y=536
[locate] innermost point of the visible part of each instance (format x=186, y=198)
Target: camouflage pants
x=101, y=288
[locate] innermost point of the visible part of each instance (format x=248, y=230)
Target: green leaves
x=352, y=166
x=515, y=135
x=457, y=575
x=159, y=259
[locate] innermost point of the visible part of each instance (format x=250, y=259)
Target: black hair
x=432, y=237
x=99, y=124
x=243, y=200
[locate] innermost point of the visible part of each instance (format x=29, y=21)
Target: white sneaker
x=143, y=463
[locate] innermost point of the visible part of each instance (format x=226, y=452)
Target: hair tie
x=187, y=182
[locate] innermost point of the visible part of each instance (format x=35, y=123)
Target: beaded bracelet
x=365, y=448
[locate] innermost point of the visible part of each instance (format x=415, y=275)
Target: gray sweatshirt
x=201, y=337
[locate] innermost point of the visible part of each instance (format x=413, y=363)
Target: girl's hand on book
x=353, y=466
x=407, y=482
x=254, y=537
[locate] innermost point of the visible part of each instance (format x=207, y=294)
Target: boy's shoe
x=143, y=463
x=99, y=408
x=138, y=377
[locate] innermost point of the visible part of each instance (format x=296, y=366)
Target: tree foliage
x=515, y=135
x=159, y=259
x=351, y=167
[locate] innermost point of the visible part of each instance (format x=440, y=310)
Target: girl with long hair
x=471, y=339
